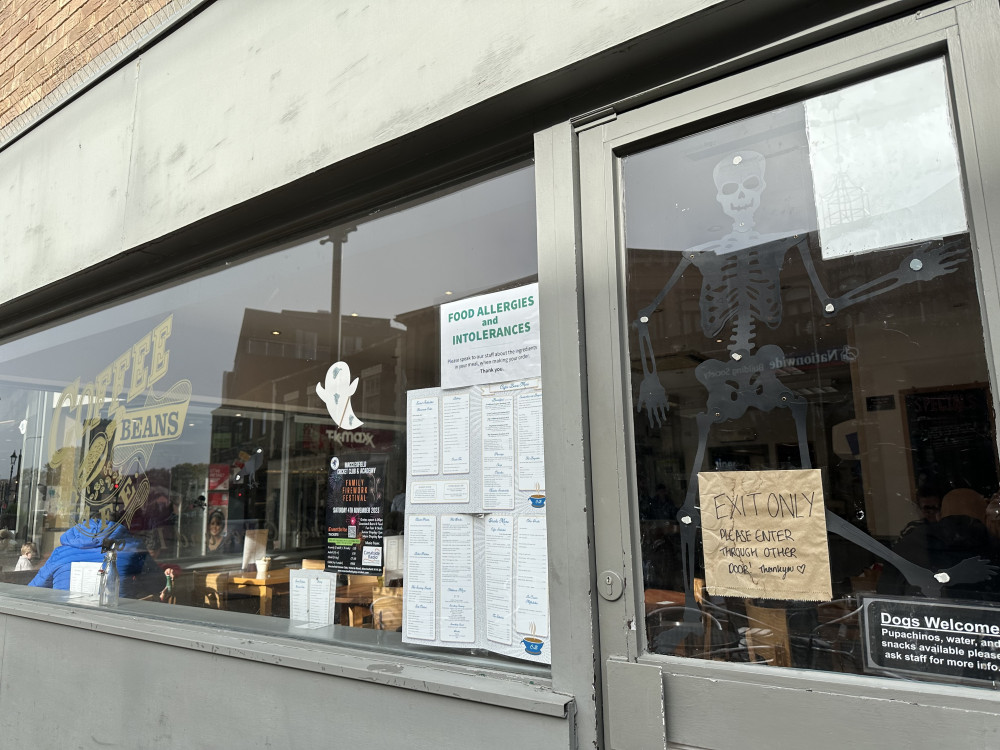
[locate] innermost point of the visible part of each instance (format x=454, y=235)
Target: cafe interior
x=189, y=415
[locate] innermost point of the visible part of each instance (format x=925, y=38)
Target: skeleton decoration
x=741, y=289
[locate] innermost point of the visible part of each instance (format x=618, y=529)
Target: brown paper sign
x=764, y=534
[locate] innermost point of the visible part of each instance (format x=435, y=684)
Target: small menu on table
x=313, y=594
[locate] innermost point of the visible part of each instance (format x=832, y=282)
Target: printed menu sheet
x=419, y=578
x=498, y=452
x=476, y=555
x=312, y=596
x=85, y=579
x=423, y=425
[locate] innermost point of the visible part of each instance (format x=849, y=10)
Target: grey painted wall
x=67, y=687
x=251, y=95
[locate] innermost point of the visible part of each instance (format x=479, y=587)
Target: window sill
x=141, y=620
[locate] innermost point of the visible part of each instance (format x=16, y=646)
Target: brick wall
x=48, y=48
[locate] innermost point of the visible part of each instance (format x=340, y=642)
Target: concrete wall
x=85, y=686
x=250, y=95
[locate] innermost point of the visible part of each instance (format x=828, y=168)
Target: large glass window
x=802, y=294
x=198, y=426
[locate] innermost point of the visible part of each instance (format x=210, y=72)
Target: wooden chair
x=209, y=590
x=699, y=597
x=387, y=613
x=867, y=582
x=767, y=635
x=839, y=631
x=359, y=615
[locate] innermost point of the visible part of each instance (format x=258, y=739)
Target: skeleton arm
x=971, y=570
x=651, y=393
x=929, y=260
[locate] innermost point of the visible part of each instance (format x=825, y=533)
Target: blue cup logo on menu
x=533, y=645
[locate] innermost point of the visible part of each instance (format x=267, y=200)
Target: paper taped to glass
x=764, y=534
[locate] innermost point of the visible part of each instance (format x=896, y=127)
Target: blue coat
x=82, y=544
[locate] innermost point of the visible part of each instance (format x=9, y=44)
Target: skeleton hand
x=972, y=570
x=930, y=260
x=654, y=399
x=927, y=262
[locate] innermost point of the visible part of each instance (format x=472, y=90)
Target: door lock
x=610, y=585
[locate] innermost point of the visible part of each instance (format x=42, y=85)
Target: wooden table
x=655, y=598
x=264, y=588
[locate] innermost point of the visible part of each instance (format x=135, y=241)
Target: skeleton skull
x=739, y=179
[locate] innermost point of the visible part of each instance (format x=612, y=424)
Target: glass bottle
x=110, y=580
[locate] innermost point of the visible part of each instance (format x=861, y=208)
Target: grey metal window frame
x=965, y=33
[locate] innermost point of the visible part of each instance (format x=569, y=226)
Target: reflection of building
x=281, y=356
x=269, y=404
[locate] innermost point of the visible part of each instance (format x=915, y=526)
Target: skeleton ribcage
x=740, y=288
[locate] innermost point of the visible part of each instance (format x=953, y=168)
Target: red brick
x=43, y=43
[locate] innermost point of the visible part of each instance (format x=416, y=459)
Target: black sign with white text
x=354, y=514
x=932, y=639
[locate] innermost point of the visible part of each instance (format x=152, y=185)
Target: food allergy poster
x=354, y=513
x=932, y=639
x=491, y=338
x=764, y=534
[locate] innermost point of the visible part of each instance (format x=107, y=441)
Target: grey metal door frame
x=851, y=708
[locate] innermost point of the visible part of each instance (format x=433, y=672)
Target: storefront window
x=205, y=427
x=802, y=296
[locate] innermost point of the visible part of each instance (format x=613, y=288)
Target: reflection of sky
x=463, y=242
x=885, y=162
x=891, y=138
x=670, y=194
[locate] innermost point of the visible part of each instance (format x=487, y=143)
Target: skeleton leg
x=689, y=517
x=690, y=520
x=799, y=411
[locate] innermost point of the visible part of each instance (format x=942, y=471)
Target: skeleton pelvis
x=744, y=381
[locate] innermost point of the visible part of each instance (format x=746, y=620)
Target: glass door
x=793, y=442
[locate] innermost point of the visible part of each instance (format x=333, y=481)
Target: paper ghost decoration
x=336, y=394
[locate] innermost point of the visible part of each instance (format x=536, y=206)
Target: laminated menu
x=476, y=556
x=85, y=579
x=312, y=597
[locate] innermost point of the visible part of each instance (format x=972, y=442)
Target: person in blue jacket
x=82, y=543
